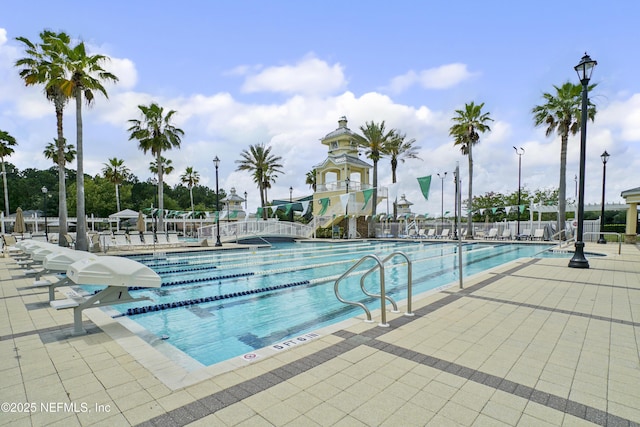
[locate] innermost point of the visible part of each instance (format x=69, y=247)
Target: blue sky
x=283, y=72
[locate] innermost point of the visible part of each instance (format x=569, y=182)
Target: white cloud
x=624, y=116
x=443, y=77
x=310, y=76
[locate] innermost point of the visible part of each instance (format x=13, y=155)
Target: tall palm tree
x=51, y=152
x=468, y=124
x=85, y=75
x=400, y=148
x=116, y=172
x=156, y=133
x=7, y=142
x=191, y=178
x=311, y=179
x=561, y=114
x=263, y=166
x=42, y=66
x=374, y=139
x=167, y=166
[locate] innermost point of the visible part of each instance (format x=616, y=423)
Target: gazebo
x=124, y=214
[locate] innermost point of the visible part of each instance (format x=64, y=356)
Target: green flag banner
x=325, y=204
x=287, y=210
x=233, y=214
x=521, y=207
x=425, y=183
x=367, y=195
x=493, y=210
x=259, y=212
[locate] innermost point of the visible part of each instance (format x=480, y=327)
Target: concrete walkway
x=531, y=343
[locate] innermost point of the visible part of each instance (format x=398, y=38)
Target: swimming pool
x=216, y=305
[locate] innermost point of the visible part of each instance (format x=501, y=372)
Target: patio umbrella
x=19, y=226
x=141, y=226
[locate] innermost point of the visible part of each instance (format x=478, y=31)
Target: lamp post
x=584, y=70
x=216, y=162
x=46, y=229
x=245, y=201
x=291, y=203
x=442, y=177
x=604, y=157
x=519, y=152
x=347, y=181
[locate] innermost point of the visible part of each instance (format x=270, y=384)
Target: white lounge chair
x=506, y=234
x=445, y=234
x=120, y=241
x=431, y=233
x=538, y=234
x=525, y=235
x=493, y=234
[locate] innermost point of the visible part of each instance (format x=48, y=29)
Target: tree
x=42, y=66
x=468, y=124
x=561, y=114
x=116, y=172
x=167, y=167
x=85, y=75
x=7, y=142
x=399, y=148
x=374, y=139
x=191, y=178
x=263, y=166
x=51, y=152
x=311, y=179
x=156, y=133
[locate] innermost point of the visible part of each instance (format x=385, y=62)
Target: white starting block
x=116, y=273
x=57, y=263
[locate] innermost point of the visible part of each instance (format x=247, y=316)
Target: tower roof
x=341, y=131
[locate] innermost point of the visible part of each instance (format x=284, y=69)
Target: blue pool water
x=229, y=303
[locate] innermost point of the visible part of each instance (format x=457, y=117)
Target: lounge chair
x=136, y=240
x=162, y=239
x=445, y=234
x=493, y=234
x=120, y=241
x=421, y=234
x=431, y=234
x=506, y=234
x=525, y=235
x=538, y=234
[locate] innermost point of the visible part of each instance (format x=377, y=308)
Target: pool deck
x=532, y=342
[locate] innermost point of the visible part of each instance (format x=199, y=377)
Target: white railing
x=230, y=231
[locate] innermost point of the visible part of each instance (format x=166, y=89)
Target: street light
x=584, y=70
x=291, y=203
x=442, y=177
x=519, y=152
x=44, y=196
x=347, y=181
x=216, y=162
x=245, y=202
x=604, y=157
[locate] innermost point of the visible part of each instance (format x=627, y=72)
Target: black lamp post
x=519, y=152
x=216, y=162
x=442, y=177
x=584, y=70
x=347, y=181
x=46, y=228
x=245, y=201
x=291, y=203
x=604, y=157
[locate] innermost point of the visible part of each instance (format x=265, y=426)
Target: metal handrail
x=409, y=281
x=357, y=303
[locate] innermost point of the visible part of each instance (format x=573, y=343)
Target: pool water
x=216, y=305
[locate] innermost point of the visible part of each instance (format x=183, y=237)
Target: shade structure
x=141, y=226
x=19, y=226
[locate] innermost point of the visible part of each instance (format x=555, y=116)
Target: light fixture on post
x=245, y=202
x=442, y=177
x=347, y=181
x=216, y=162
x=584, y=70
x=519, y=152
x=46, y=229
x=604, y=157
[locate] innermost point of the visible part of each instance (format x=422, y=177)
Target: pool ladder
x=382, y=295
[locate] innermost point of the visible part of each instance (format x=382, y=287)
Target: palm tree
x=155, y=133
x=263, y=166
x=7, y=142
x=191, y=178
x=167, y=167
x=469, y=123
x=42, y=66
x=116, y=172
x=399, y=148
x=374, y=139
x=51, y=152
x=311, y=179
x=85, y=75
x=561, y=114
